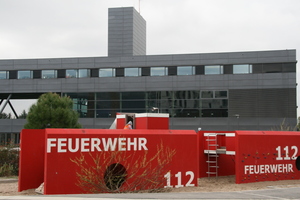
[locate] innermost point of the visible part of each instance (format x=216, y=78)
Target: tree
x=5, y=116
x=23, y=115
x=52, y=111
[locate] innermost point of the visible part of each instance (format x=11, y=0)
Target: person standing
x=128, y=126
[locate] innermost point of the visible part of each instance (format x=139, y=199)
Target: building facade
x=253, y=90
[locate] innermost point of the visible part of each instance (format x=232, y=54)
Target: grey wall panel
x=49, y=61
x=69, y=66
x=25, y=67
x=26, y=62
x=5, y=63
x=69, y=60
x=86, y=65
x=279, y=103
x=86, y=60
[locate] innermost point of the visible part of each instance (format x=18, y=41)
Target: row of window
x=9, y=138
x=190, y=103
x=150, y=71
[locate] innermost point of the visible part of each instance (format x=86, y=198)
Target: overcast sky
x=78, y=28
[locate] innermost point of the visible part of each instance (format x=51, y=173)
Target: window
x=132, y=72
x=24, y=74
x=71, y=73
x=83, y=73
x=49, y=74
x=242, y=69
x=77, y=73
x=186, y=70
x=3, y=74
x=213, y=69
x=159, y=71
x=207, y=94
x=220, y=94
x=214, y=103
x=107, y=72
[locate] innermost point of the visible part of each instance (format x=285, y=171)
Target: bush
x=9, y=161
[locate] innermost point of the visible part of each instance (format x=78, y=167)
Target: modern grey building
x=253, y=90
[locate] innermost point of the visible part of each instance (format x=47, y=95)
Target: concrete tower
x=126, y=32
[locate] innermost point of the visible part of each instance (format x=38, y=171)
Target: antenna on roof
x=140, y=6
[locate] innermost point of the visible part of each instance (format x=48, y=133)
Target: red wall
x=266, y=156
x=63, y=175
x=31, y=162
x=152, y=121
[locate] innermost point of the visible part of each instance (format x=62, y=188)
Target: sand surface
x=220, y=184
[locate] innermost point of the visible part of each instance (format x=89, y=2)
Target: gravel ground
x=9, y=187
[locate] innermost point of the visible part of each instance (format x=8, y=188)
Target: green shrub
x=6, y=170
x=9, y=161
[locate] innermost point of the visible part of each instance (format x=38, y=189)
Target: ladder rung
x=210, y=140
x=209, y=161
x=211, y=172
x=213, y=145
x=213, y=156
x=213, y=166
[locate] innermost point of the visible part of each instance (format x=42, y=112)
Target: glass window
x=187, y=94
x=137, y=104
x=83, y=73
x=107, y=72
x=24, y=74
x=3, y=74
x=207, y=94
x=71, y=73
x=159, y=71
x=215, y=103
x=221, y=94
x=242, y=69
x=49, y=74
x=185, y=70
x=213, y=69
x=133, y=95
x=108, y=96
x=132, y=72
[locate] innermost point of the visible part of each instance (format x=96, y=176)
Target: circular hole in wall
x=114, y=176
x=298, y=163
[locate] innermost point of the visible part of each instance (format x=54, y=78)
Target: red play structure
x=150, y=156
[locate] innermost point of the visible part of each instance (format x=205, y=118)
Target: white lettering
x=84, y=144
x=109, y=145
x=61, y=142
x=264, y=169
x=50, y=144
x=129, y=144
x=70, y=145
x=267, y=167
x=273, y=168
x=97, y=144
x=122, y=144
x=290, y=168
x=280, y=168
x=142, y=143
x=251, y=169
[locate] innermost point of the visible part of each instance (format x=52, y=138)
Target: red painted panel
x=167, y=158
x=120, y=122
x=226, y=163
x=31, y=163
x=152, y=123
x=266, y=156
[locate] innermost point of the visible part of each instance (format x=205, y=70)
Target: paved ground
x=281, y=193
